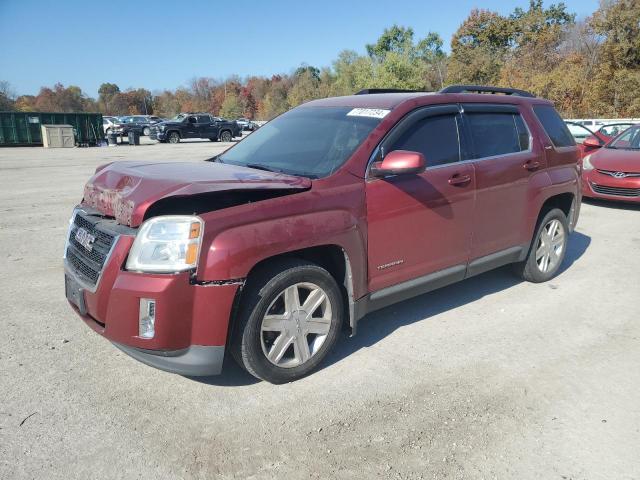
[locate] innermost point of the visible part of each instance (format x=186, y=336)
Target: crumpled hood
x=125, y=190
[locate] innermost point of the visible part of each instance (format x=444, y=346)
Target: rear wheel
x=548, y=248
x=291, y=316
x=225, y=136
x=174, y=137
x=146, y=131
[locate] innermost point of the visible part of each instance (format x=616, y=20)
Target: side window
x=554, y=126
x=437, y=138
x=203, y=119
x=497, y=133
x=192, y=120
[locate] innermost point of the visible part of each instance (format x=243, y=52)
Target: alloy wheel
x=551, y=244
x=226, y=137
x=296, y=325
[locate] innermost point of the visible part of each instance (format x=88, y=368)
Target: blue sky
x=162, y=44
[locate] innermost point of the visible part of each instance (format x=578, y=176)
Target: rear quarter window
x=554, y=126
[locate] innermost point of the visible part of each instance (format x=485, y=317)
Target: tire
x=174, y=137
x=225, y=136
x=146, y=131
x=547, y=250
x=282, y=348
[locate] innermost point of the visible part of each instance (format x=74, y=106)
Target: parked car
x=138, y=123
x=195, y=125
x=614, y=129
x=612, y=172
x=334, y=209
x=110, y=123
x=247, y=124
x=586, y=139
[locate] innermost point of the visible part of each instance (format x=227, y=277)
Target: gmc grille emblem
x=85, y=239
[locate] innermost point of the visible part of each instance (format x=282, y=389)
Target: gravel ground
x=490, y=378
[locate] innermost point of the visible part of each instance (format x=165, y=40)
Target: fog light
x=147, y=318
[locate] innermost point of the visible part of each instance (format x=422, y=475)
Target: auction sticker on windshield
x=368, y=112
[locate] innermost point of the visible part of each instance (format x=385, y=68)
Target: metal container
x=134, y=138
x=24, y=128
x=58, y=136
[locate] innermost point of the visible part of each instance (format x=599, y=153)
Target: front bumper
x=157, y=135
x=194, y=361
x=191, y=319
x=605, y=187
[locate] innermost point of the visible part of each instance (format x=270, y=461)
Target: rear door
x=421, y=224
x=205, y=127
x=504, y=161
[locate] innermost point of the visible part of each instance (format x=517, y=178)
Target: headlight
x=586, y=163
x=166, y=245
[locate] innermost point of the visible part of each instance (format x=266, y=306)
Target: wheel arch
x=331, y=257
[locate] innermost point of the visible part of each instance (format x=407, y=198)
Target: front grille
x=618, y=173
x=87, y=265
x=617, y=191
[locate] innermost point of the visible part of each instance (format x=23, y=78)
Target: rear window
x=497, y=133
x=554, y=126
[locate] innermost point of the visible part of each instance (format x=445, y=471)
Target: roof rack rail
x=368, y=91
x=486, y=89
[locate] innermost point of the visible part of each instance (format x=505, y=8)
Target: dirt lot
x=490, y=378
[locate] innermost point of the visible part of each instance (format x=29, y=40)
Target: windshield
x=307, y=141
x=629, y=140
x=179, y=118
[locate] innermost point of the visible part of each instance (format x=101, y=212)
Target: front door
x=191, y=127
x=421, y=224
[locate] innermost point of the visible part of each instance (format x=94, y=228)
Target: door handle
x=458, y=180
x=531, y=165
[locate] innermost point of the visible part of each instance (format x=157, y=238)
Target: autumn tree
x=479, y=48
x=7, y=96
x=617, y=81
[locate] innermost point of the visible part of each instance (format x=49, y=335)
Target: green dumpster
x=23, y=128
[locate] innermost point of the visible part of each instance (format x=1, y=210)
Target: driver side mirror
x=592, y=141
x=399, y=162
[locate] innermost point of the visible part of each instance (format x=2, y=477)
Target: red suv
x=334, y=209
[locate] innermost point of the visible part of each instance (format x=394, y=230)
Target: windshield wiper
x=259, y=166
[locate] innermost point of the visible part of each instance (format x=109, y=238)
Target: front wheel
x=146, y=131
x=174, y=137
x=226, y=136
x=291, y=316
x=547, y=250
